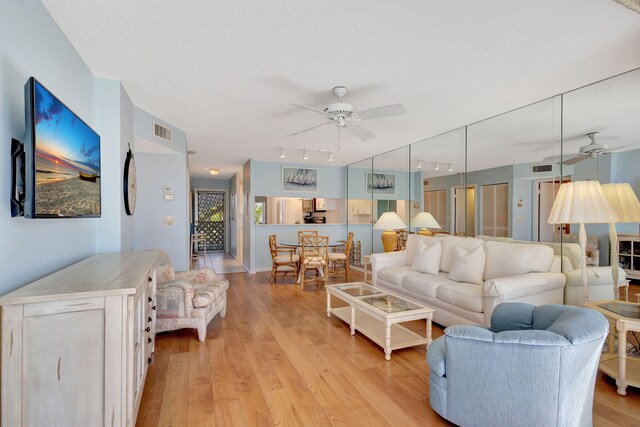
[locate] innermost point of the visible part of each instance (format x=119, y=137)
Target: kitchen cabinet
x=361, y=206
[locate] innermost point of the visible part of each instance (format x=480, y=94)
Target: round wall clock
x=129, y=183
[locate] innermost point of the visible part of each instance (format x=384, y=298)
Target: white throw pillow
x=467, y=266
x=426, y=259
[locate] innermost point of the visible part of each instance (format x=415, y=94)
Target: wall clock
x=129, y=186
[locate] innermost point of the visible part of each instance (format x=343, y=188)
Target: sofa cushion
x=514, y=259
x=451, y=242
x=463, y=295
x=426, y=259
x=395, y=275
x=467, y=266
x=412, y=244
x=425, y=284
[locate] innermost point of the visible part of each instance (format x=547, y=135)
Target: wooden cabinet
x=629, y=255
x=76, y=344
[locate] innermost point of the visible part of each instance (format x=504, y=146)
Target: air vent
x=541, y=168
x=162, y=132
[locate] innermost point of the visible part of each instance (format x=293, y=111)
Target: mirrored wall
x=498, y=178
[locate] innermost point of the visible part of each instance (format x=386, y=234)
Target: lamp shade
x=581, y=202
x=624, y=201
x=424, y=220
x=389, y=221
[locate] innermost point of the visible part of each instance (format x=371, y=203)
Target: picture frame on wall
x=299, y=179
x=381, y=183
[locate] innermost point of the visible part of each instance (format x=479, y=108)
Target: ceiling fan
x=345, y=115
x=589, y=151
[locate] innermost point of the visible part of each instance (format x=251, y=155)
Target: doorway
x=546, y=191
x=210, y=219
x=464, y=211
x=495, y=210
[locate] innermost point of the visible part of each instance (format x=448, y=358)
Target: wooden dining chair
x=283, y=259
x=402, y=239
x=341, y=257
x=303, y=233
x=315, y=250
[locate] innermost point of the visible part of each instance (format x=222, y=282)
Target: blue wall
x=33, y=45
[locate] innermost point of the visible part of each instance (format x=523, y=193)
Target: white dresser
x=76, y=344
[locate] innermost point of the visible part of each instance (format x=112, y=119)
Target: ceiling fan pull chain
x=338, y=138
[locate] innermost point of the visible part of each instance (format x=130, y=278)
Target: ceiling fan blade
x=574, y=160
x=557, y=157
x=379, y=112
x=308, y=129
x=315, y=110
x=360, y=132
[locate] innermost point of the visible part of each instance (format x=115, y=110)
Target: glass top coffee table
x=377, y=314
x=623, y=317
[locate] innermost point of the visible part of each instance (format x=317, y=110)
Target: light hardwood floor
x=276, y=359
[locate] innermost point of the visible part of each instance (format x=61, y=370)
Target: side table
x=623, y=317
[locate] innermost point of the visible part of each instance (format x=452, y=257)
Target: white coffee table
x=377, y=314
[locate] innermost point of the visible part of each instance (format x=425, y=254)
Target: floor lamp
x=425, y=220
x=582, y=202
x=388, y=222
x=625, y=202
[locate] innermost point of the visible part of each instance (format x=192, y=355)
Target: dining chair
x=342, y=257
x=303, y=233
x=315, y=250
x=283, y=259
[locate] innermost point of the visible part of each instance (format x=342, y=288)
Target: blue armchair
x=535, y=366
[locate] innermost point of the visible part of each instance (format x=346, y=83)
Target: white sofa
x=511, y=272
x=600, y=278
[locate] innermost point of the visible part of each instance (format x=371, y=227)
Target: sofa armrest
x=566, y=264
x=200, y=276
x=178, y=290
x=386, y=259
x=517, y=288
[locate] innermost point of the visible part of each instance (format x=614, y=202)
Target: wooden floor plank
x=276, y=359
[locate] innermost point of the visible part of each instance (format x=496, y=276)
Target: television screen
x=63, y=157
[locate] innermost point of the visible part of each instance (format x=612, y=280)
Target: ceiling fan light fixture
x=306, y=155
x=282, y=153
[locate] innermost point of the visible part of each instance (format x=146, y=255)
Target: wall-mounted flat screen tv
x=62, y=159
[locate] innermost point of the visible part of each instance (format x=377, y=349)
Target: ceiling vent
x=162, y=132
x=541, y=168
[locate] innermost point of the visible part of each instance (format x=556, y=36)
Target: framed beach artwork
x=299, y=179
x=381, y=183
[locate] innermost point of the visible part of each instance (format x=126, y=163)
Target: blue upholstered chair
x=535, y=366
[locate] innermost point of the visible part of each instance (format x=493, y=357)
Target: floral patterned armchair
x=188, y=299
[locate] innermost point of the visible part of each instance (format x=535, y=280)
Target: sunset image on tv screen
x=67, y=160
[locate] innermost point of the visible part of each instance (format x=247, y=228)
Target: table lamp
x=582, y=202
x=388, y=222
x=425, y=220
x=626, y=205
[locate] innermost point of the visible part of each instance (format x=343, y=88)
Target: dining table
x=299, y=245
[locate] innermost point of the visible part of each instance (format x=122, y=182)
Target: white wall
x=31, y=44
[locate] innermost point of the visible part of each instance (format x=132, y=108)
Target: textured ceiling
x=225, y=72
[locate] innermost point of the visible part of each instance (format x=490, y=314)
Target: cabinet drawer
x=68, y=306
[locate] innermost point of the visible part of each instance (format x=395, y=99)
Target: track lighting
x=436, y=166
x=306, y=155
x=331, y=156
x=450, y=167
x=419, y=165
x=282, y=153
